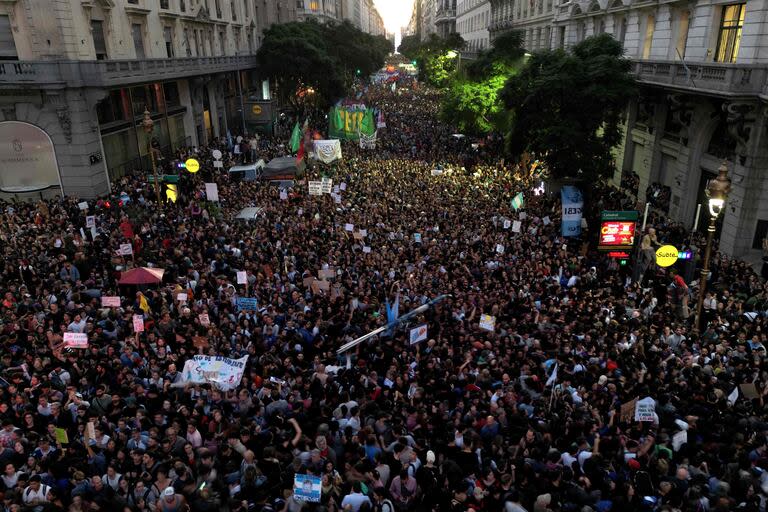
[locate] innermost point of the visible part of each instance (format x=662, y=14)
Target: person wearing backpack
x=428, y=478
x=35, y=495
x=380, y=501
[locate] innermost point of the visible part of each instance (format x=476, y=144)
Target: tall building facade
x=472, y=20
x=445, y=17
x=702, y=67
x=321, y=10
x=77, y=75
x=428, y=10
x=363, y=15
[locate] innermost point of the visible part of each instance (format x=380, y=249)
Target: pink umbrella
x=142, y=275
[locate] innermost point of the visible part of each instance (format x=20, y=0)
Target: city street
x=296, y=270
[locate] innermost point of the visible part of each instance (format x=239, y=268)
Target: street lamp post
x=717, y=192
x=149, y=125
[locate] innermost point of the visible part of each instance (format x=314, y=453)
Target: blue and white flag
x=573, y=205
x=393, y=312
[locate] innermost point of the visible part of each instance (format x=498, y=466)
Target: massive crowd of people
x=535, y=415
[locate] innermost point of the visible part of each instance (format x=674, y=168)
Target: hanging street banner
x=346, y=122
x=573, y=205
x=327, y=151
x=224, y=372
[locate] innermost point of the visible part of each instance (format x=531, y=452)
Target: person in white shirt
x=112, y=478
x=35, y=496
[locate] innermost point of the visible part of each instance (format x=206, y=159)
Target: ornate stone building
x=77, y=75
x=703, y=70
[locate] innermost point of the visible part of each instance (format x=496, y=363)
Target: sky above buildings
x=396, y=13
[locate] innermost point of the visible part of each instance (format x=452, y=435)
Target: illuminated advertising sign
x=617, y=230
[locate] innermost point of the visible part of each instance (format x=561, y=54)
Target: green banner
x=345, y=123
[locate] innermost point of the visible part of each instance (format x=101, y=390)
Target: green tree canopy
x=436, y=57
x=565, y=107
x=472, y=101
x=326, y=57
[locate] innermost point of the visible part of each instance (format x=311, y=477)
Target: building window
x=221, y=43
x=165, y=4
x=620, y=28
x=234, y=12
x=137, y=31
x=729, y=36
x=99, y=43
x=135, y=2
x=561, y=37
x=314, y=5
x=183, y=5
x=7, y=44
x=650, y=27
x=168, y=37
x=187, y=43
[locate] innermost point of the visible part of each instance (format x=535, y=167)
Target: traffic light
x=358, y=72
x=413, y=62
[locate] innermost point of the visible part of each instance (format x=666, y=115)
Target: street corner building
x=77, y=75
x=702, y=67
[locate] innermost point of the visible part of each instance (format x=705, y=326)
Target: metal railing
x=117, y=72
x=729, y=79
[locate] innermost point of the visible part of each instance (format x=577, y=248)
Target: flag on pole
x=517, y=201
x=393, y=312
x=733, y=396
x=295, y=138
x=552, y=378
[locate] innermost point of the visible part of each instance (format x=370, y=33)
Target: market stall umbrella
x=142, y=275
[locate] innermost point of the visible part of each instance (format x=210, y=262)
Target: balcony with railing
x=109, y=73
x=714, y=78
x=445, y=15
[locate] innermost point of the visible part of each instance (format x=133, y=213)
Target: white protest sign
x=182, y=297
x=75, y=340
x=522, y=215
x=212, y=191
x=315, y=188
x=547, y=220
x=488, y=322
x=327, y=184
x=125, y=249
x=343, y=186
x=138, y=323
x=242, y=277
x=679, y=439
x=517, y=226
x=110, y=302
x=418, y=334
x=90, y=221
x=83, y=205
x=205, y=321
x=218, y=164
x=364, y=232
x=216, y=154
x=437, y=172
x=500, y=248
x=349, y=227
x=283, y=195
x=366, y=249
x=507, y=223
x=337, y=199
x=336, y=189
x=645, y=410
x=223, y=372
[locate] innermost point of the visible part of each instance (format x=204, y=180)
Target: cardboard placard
x=138, y=323
x=247, y=304
x=645, y=410
x=125, y=249
x=627, y=411
x=205, y=321
x=90, y=221
x=327, y=273
x=242, y=277
x=212, y=191
x=749, y=391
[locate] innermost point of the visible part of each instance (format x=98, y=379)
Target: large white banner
x=223, y=372
x=327, y=151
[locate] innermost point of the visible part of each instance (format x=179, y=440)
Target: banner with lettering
x=223, y=372
x=573, y=205
x=348, y=123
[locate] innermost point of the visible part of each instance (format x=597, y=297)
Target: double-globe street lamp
x=149, y=125
x=717, y=192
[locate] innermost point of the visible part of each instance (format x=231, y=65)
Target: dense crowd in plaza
x=525, y=418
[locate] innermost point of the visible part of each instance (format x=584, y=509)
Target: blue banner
x=307, y=488
x=247, y=304
x=573, y=205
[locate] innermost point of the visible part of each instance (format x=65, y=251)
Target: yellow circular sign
x=666, y=255
x=192, y=165
x=256, y=109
